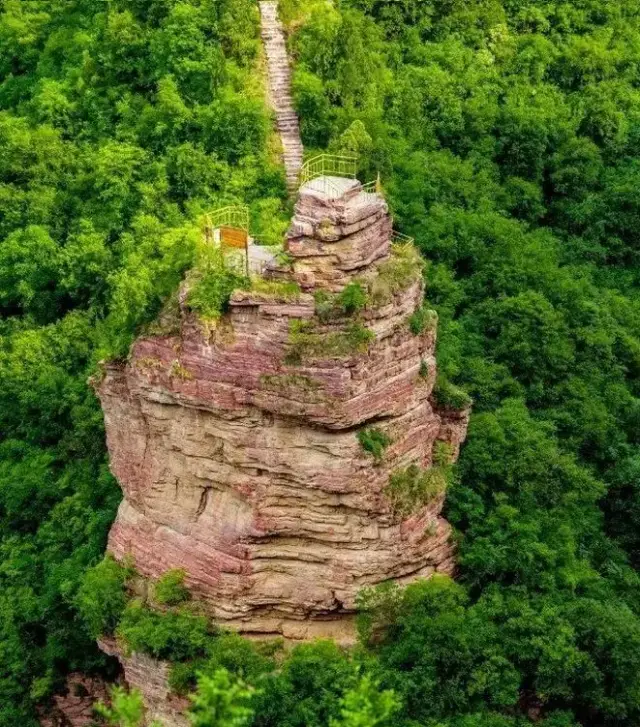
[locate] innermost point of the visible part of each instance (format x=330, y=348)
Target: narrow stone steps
x=279, y=75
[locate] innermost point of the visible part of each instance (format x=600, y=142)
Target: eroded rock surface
x=75, y=707
x=237, y=445
x=151, y=678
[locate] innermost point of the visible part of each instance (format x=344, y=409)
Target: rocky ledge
x=241, y=445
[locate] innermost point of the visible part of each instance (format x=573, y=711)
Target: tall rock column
x=290, y=455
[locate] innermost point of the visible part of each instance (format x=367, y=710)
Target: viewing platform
x=332, y=203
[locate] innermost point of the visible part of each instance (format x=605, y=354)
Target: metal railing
x=373, y=187
x=235, y=216
x=326, y=186
x=323, y=168
x=328, y=165
x=228, y=227
x=397, y=238
x=243, y=265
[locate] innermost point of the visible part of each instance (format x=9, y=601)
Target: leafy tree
x=221, y=701
x=126, y=710
x=367, y=706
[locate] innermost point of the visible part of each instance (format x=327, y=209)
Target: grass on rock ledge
x=306, y=342
x=412, y=488
x=214, y=279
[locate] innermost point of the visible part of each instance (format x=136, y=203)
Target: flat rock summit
x=241, y=444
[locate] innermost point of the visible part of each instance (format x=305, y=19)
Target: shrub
x=290, y=382
x=367, y=704
x=167, y=322
x=308, y=688
x=241, y=657
x=442, y=453
x=183, y=675
x=178, y=371
x=169, y=589
x=353, y=298
x=422, y=320
x=378, y=608
x=211, y=284
x=325, y=306
x=412, y=488
x=450, y=396
x=306, y=342
x=403, y=268
x=222, y=700
x=126, y=708
x=102, y=596
x=175, y=635
x=285, y=290
x=374, y=441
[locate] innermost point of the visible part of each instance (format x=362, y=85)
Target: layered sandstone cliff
x=236, y=444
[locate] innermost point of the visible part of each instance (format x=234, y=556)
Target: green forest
x=507, y=137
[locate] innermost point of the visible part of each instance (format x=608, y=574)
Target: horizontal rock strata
x=151, y=678
x=237, y=448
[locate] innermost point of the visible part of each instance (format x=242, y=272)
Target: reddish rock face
x=237, y=448
x=151, y=678
x=75, y=708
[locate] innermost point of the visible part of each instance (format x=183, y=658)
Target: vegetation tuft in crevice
x=307, y=342
x=412, y=488
x=374, y=441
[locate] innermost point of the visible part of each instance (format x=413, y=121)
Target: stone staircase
x=280, y=90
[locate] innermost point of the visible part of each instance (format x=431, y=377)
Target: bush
x=306, y=342
x=102, y=596
x=246, y=659
x=412, y=488
x=350, y=301
x=222, y=700
x=403, y=268
x=126, y=708
x=285, y=290
x=211, y=283
x=422, y=320
x=353, y=298
x=173, y=635
x=169, y=589
x=442, y=453
x=449, y=396
x=309, y=687
x=374, y=441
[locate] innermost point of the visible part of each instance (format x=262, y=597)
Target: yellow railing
x=328, y=165
x=231, y=216
x=229, y=228
x=397, y=238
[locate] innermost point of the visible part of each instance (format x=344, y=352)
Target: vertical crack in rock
x=204, y=499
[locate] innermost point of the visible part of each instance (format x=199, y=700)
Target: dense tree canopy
x=120, y=122
x=507, y=134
